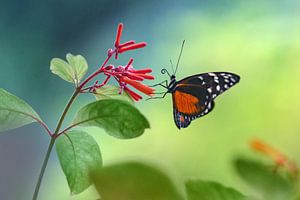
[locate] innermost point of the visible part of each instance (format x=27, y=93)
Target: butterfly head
x=172, y=77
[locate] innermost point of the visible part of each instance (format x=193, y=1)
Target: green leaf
x=79, y=154
x=111, y=92
x=62, y=69
x=271, y=185
x=71, y=71
x=119, y=118
x=14, y=112
x=79, y=65
x=134, y=181
x=208, y=190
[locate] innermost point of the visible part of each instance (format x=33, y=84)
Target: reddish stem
x=44, y=125
x=129, y=63
x=96, y=72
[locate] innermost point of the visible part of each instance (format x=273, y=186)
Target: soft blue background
x=260, y=40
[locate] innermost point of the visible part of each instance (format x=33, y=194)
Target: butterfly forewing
x=214, y=82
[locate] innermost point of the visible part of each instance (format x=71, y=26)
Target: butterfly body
x=193, y=96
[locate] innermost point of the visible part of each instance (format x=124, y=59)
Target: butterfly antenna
x=179, y=56
x=172, y=66
x=164, y=71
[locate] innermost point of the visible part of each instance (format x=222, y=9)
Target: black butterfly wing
x=193, y=96
x=215, y=82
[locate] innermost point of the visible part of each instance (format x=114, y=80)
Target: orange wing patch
x=181, y=119
x=185, y=103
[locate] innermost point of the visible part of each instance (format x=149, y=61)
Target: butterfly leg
x=161, y=84
x=161, y=97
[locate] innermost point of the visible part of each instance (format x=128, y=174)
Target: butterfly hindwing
x=189, y=103
x=182, y=120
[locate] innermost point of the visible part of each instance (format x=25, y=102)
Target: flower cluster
x=124, y=75
x=127, y=75
x=278, y=157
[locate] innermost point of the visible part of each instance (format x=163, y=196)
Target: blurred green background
x=259, y=40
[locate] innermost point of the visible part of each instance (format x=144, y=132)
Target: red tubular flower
x=293, y=168
x=119, y=34
x=129, y=45
x=129, y=63
x=145, y=76
x=276, y=155
x=134, y=95
x=141, y=71
x=125, y=75
x=132, y=76
x=137, y=85
x=132, y=47
x=279, y=158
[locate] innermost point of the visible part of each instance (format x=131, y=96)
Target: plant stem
x=77, y=91
x=60, y=122
x=51, y=144
x=38, y=184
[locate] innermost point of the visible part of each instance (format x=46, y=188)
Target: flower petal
x=139, y=86
x=132, y=47
x=134, y=95
x=141, y=71
x=133, y=76
x=276, y=155
x=127, y=43
x=119, y=34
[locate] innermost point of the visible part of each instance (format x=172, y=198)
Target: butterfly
x=194, y=96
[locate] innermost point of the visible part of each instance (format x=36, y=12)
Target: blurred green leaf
x=271, y=185
x=119, y=118
x=71, y=71
x=134, y=181
x=208, y=190
x=14, y=112
x=79, y=65
x=78, y=154
x=111, y=92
